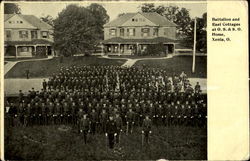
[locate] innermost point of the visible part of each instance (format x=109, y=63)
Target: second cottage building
x=132, y=32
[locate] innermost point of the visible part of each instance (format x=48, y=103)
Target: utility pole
x=194, y=47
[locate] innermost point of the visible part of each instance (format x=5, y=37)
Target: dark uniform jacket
x=147, y=124
x=111, y=127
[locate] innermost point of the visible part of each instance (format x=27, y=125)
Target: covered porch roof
x=32, y=42
x=116, y=40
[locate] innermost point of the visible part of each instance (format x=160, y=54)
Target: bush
x=155, y=49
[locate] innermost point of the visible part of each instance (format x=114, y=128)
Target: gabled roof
x=151, y=16
x=134, y=41
x=33, y=20
x=7, y=16
x=120, y=20
x=158, y=19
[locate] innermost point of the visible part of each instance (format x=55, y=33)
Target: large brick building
x=134, y=31
x=27, y=36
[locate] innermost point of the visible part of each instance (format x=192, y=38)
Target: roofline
x=172, y=23
x=9, y=17
x=25, y=20
x=138, y=26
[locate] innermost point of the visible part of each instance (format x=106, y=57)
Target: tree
x=48, y=19
x=75, y=31
x=100, y=17
x=121, y=14
x=155, y=49
x=11, y=8
x=201, y=34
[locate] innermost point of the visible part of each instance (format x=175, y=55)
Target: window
x=131, y=31
x=156, y=31
x=45, y=34
x=8, y=34
x=23, y=34
x=145, y=32
x=112, y=32
x=121, y=32
x=34, y=34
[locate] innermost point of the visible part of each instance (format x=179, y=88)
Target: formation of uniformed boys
x=111, y=99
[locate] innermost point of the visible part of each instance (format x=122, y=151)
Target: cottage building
x=131, y=32
x=27, y=36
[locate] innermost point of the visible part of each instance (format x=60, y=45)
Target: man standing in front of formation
x=84, y=127
x=146, y=129
x=111, y=131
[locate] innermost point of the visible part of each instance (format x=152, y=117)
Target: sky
x=113, y=8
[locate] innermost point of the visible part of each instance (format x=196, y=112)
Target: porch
x=20, y=49
x=132, y=49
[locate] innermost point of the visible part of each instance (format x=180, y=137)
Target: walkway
x=131, y=62
x=10, y=64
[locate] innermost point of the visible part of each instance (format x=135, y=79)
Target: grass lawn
x=178, y=64
x=49, y=143
x=134, y=56
x=46, y=68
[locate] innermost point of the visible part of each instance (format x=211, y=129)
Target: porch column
x=167, y=49
x=35, y=49
x=137, y=47
x=111, y=48
x=174, y=49
x=119, y=49
x=102, y=46
x=46, y=50
x=16, y=50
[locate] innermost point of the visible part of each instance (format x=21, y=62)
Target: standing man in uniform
x=84, y=127
x=118, y=121
x=93, y=121
x=111, y=132
x=146, y=129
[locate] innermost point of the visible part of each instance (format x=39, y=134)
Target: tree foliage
x=77, y=29
x=100, y=17
x=185, y=25
x=48, y=19
x=179, y=16
x=11, y=8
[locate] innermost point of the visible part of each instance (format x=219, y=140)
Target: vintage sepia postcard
x=124, y=80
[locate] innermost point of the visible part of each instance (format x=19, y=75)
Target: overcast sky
x=113, y=8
